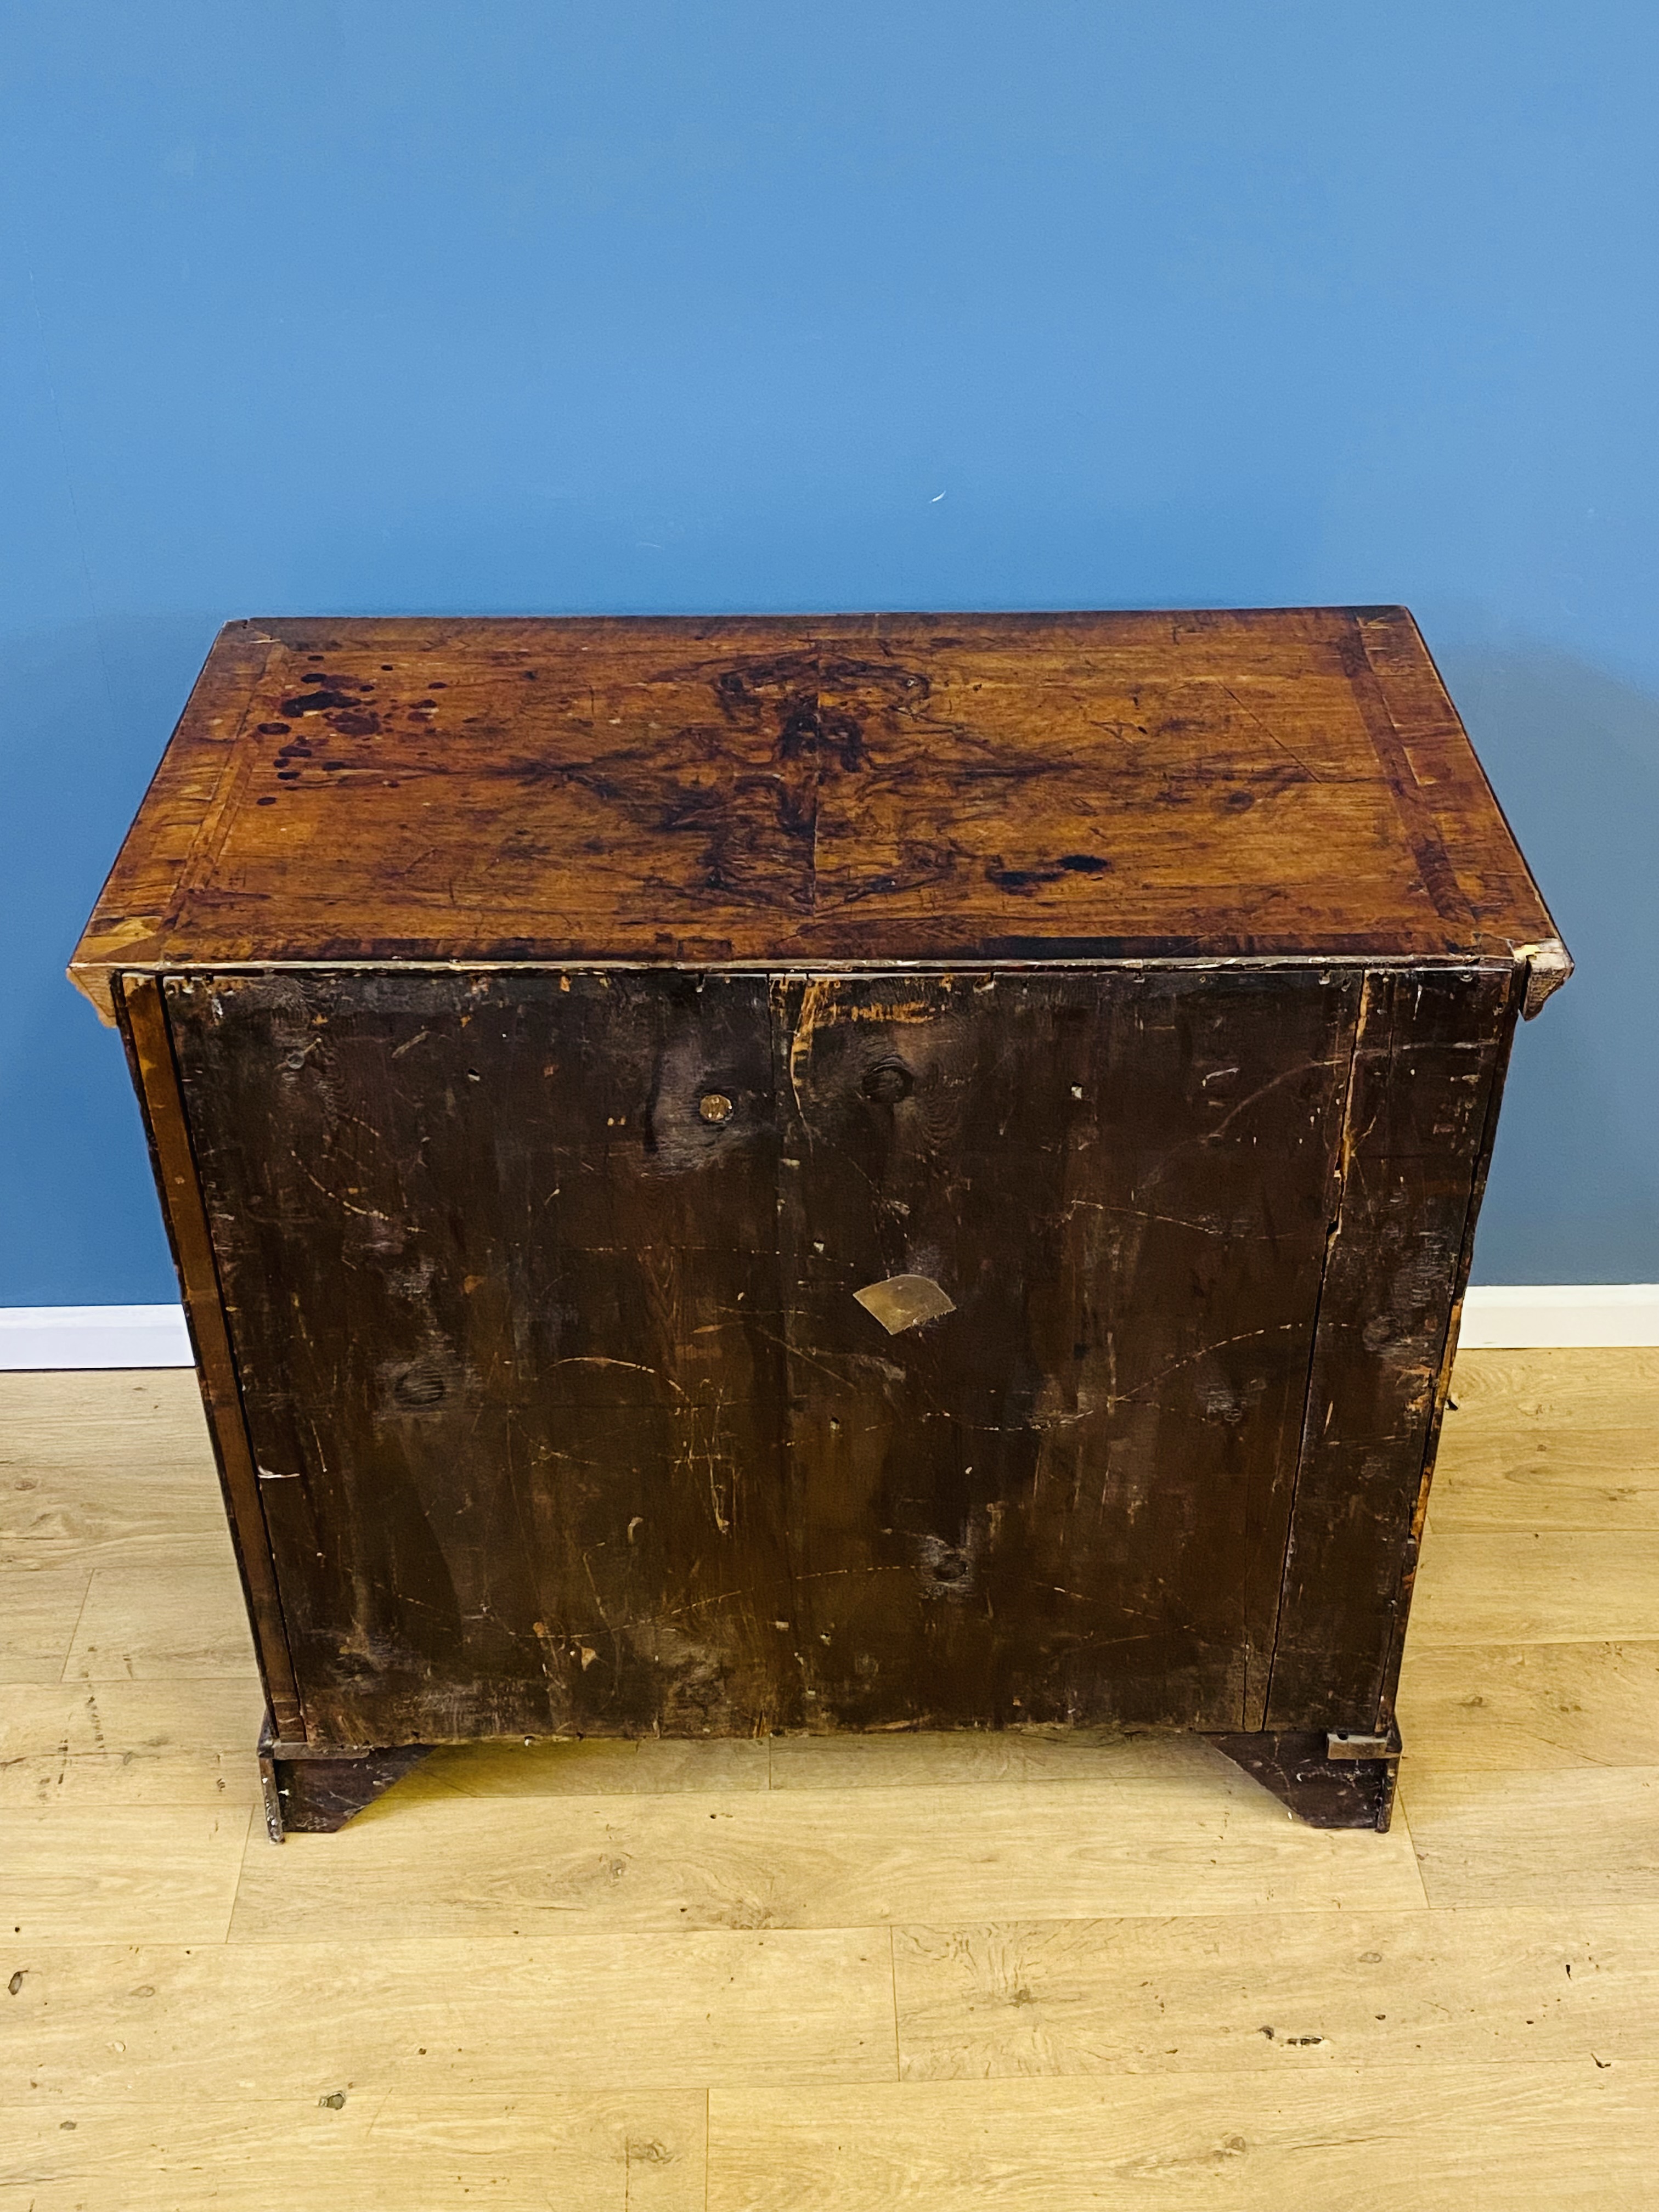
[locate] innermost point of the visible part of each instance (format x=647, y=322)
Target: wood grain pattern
x=1465, y=1707
x=450, y=1867
x=906, y=1761
x=288, y=2023
x=1551, y=1440
x=105, y=1478
x=595, y=1766
x=1520, y=1586
x=1586, y=1836
x=817, y=789
x=1570, y=2137
x=158, y=1873
x=608, y=2153
x=192, y=1623
x=1280, y=1995
x=39, y=1607
x=130, y=1743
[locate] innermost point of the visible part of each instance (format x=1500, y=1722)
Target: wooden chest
x=851, y=1173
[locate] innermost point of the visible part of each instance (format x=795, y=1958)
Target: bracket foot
x=310, y=1789
x=1329, y=1777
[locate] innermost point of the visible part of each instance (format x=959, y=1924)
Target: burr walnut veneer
x=845, y=1173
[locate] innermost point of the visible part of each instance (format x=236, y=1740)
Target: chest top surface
x=803, y=790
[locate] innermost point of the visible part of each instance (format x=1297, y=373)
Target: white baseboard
x=92, y=1336
x=1496, y=1315
x=1535, y=1315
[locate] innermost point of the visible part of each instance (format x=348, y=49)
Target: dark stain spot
x=325, y=701
x=357, y=722
x=1021, y=880
x=887, y=1081
x=265, y=802
x=1241, y=801
x=273, y=729
x=337, y=764
x=288, y=775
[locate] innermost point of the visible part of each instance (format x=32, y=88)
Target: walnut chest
x=843, y=1172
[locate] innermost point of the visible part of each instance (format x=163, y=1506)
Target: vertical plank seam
x=1303, y=1442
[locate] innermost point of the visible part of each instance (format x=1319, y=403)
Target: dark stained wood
x=1429, y=1054
x=508, y=1316
x=1296, y=1767
x=867, y=1172
x=144, y=1030
x=310, y=1792
x=810, y=791
x=1066, y=1501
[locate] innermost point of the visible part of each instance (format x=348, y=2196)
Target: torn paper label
x=904, y=1301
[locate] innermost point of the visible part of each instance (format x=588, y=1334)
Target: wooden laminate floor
x=1036, y=1972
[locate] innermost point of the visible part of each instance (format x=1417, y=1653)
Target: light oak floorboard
x=164, y=1873
x=298, y=2020
x=1542, y=2138
x=111, y=1469
x=39, y=1607
x=596, y=1766
x=1550, y=1440
x=620, y=2151
x=187, y=1742
x=1589, y=1835
x=1034, y=1754
x=139, y=1624
x=181, y=1718
x=451, y=1866
x=1468, y=1706
x=1607, y=1480
x=1507, y=1586
x=1278, y=1993
x=1111, y=1911
x=1575, y=1389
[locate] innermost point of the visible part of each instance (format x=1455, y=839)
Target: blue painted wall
x=391, y=305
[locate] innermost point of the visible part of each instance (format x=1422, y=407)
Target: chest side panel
x=1427, y=1069
x=505, y=1313
x=1065, y=1497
